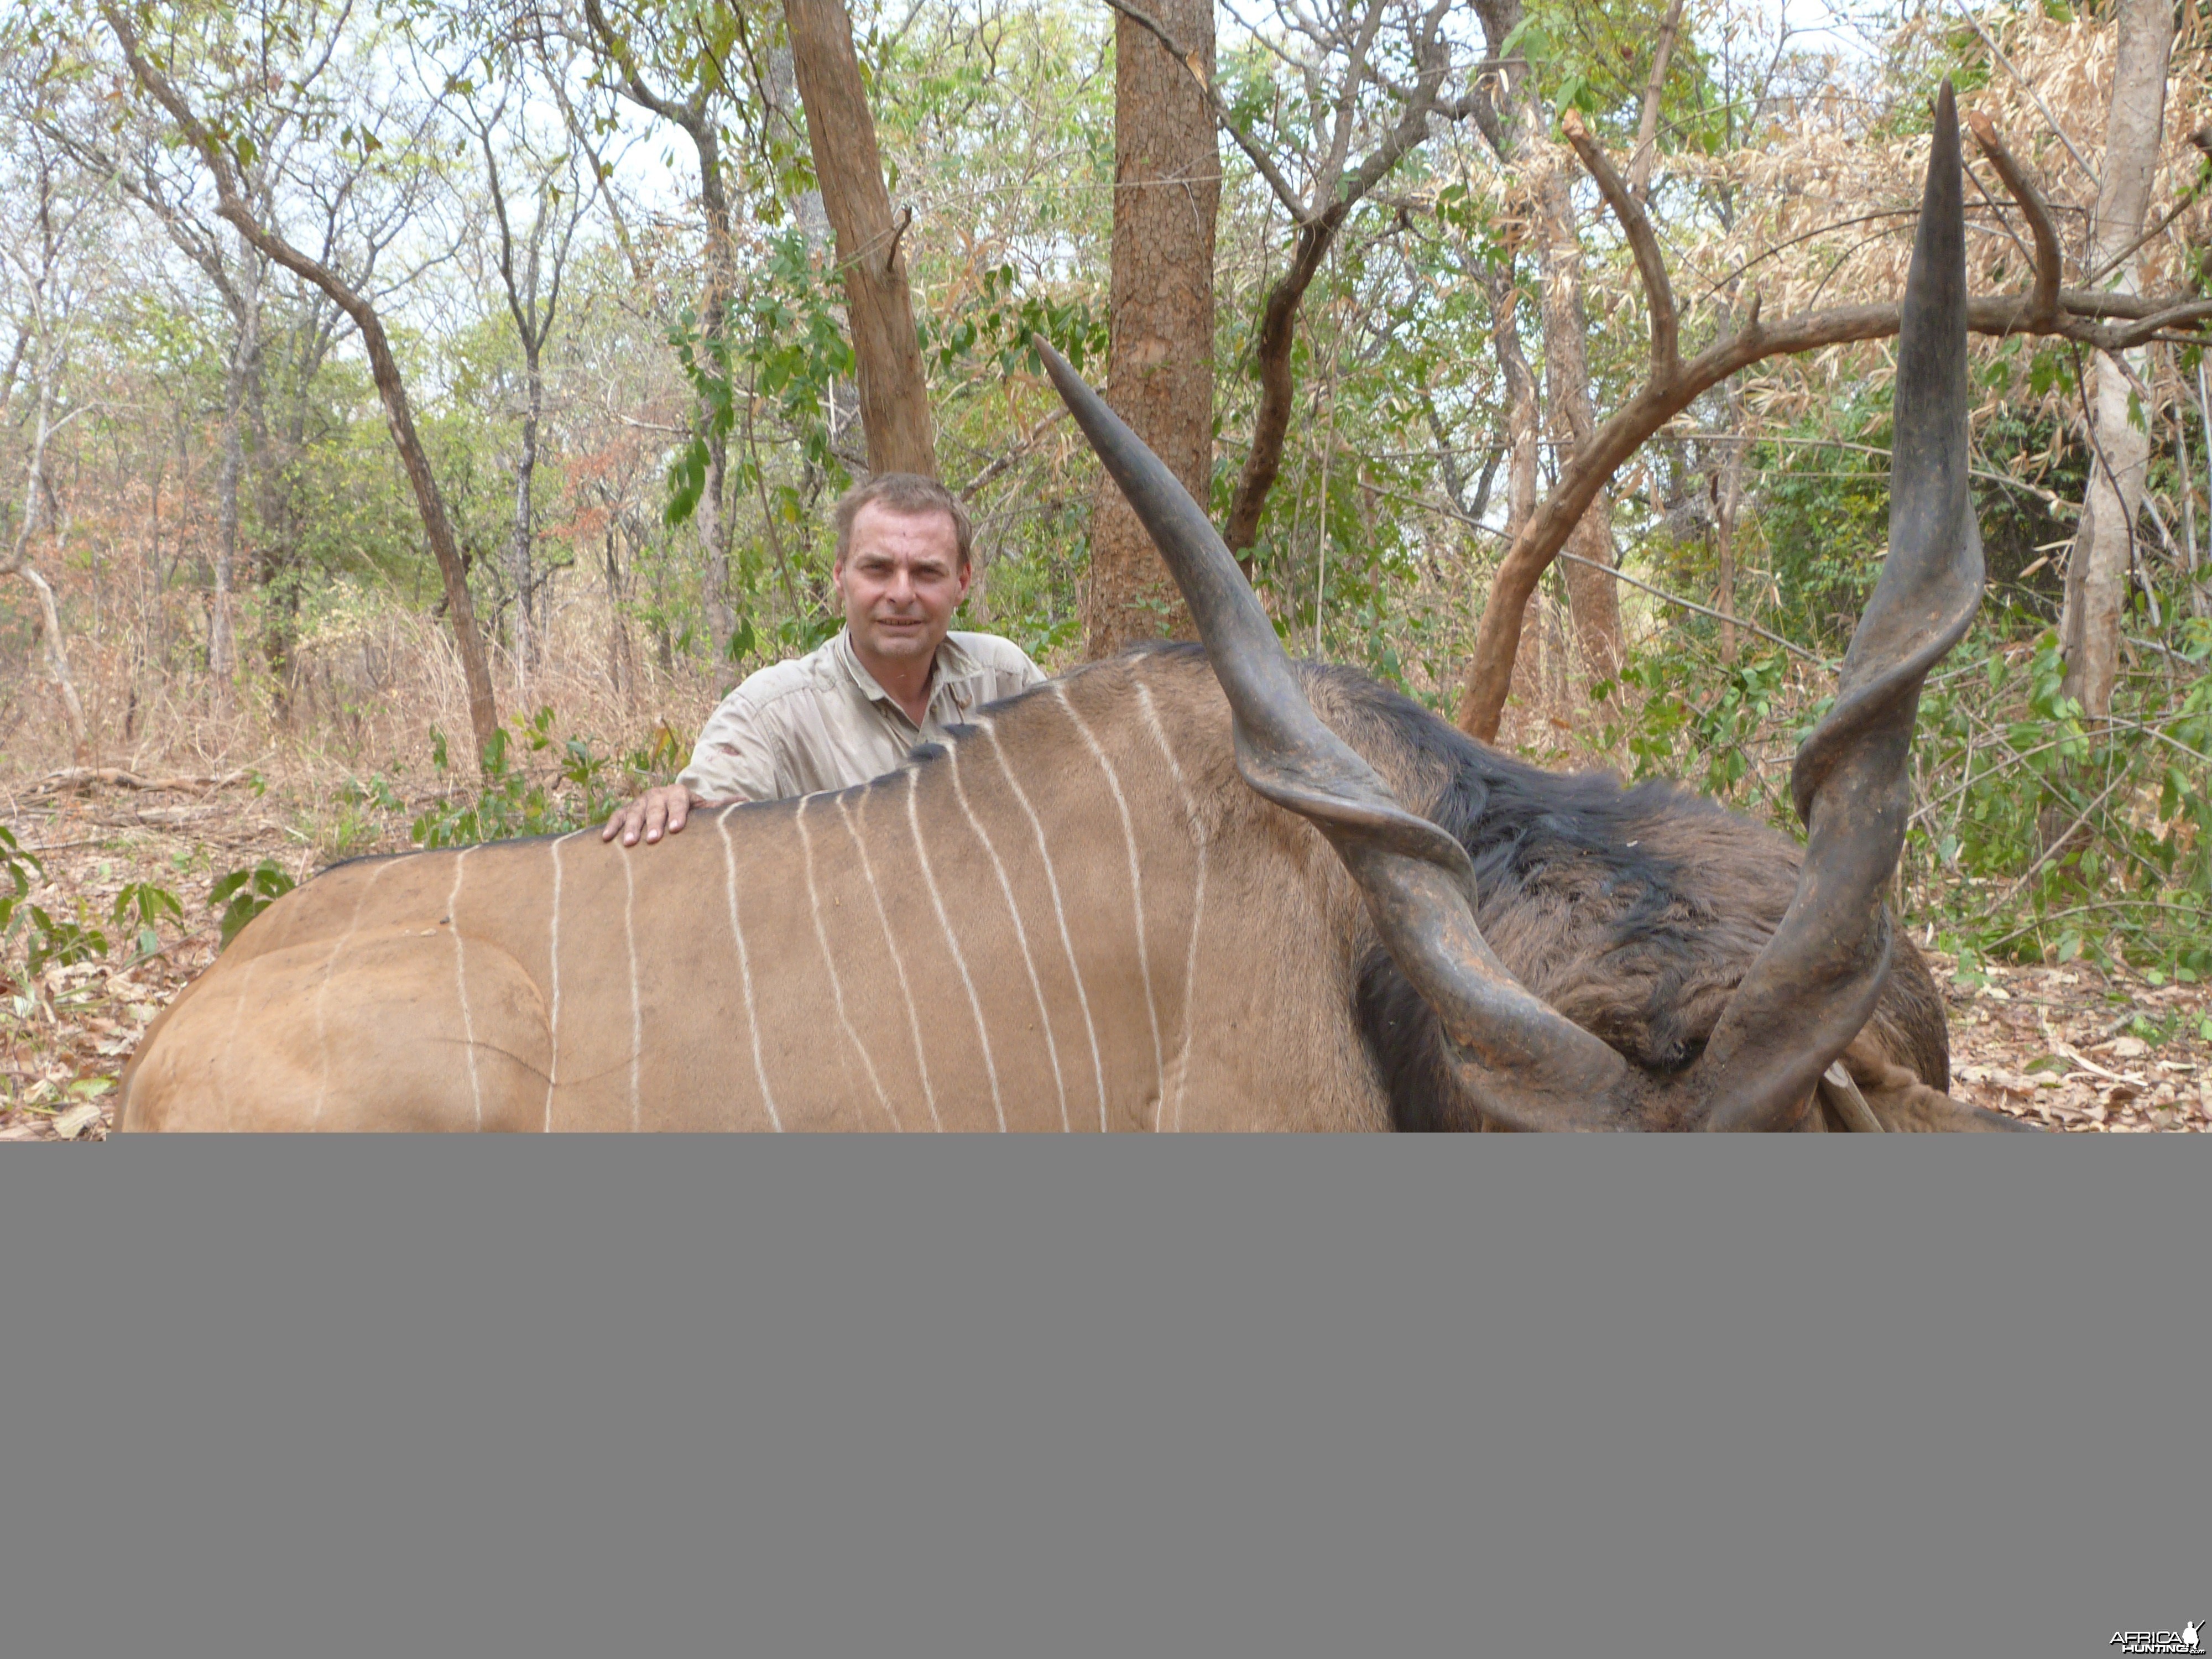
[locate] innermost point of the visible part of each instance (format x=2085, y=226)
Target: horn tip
x=1070, y=385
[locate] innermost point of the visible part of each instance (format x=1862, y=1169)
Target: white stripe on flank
x=745, y=967
x=1136, y=885
x=237, y=1015
x=829, y=965
x=891, y=940
x=1060, y=914
x=1197, y=904
x=329, y=965
x=975, y=1003
x=1021, y=934
x=553, y=1019
x=230, y=1044
x=636, y=1008
x=461, y=980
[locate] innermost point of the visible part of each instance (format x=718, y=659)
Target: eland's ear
x=1915, y=1108
x=1902, y=1104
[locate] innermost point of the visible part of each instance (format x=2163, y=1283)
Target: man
x=894, y=678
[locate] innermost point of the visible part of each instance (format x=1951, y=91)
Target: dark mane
x=1627, y=917
x=1633, y=910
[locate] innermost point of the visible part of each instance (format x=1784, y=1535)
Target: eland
x=1184, y=889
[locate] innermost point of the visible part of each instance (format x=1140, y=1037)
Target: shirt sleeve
x=735, y=757
x=1010, y=666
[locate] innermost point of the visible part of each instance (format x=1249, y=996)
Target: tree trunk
x=283, y=534
x=2099, y=562
x=712, y=514
x=622, y=662
x=1647, y=118
x=484, y=712
x=222, y=648
x=1159, y=365
x=524, y=633
x=1523, y=424
x=50, y=635
x=842, y=131
x=1592, y=597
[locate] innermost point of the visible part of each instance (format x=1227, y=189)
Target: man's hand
x=658, y=809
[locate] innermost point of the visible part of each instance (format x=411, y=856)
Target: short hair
x=903, y=492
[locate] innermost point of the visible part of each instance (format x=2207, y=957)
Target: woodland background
x=1382, y=312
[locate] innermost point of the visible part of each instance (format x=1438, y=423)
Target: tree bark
x=2104, y=545
x=383, y=367
x=1647, y=117
x=622, y=660
x=50, y=635
x=879, y=308
x=713, y=511
x=1523, y=433
x=1593, y=599
x=1159, y=365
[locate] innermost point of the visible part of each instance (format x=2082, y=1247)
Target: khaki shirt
x=821, y=722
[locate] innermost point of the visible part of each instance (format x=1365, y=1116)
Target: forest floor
x=2073, y=1048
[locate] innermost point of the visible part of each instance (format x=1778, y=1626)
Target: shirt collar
x=953, y=666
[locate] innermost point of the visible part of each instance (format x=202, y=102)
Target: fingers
x=655, y=813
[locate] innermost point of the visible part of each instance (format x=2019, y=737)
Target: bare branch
x=1647, y=119
x=1591, y=468
x=2123, y=339
x=688, y=116
x=1339, y=145
x=1650, y=265
x=2043, y=301
x=1413, y=122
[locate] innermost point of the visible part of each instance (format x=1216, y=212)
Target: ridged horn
x=1522, y=1063
x=1809, y=992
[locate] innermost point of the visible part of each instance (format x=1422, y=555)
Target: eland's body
x=1068, y=919
x=1172, y=891
x=1076, y=915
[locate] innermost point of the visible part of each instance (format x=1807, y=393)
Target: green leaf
x=245, y=894
x=742, y=642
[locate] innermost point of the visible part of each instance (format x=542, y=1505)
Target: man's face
x=901, y=580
